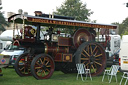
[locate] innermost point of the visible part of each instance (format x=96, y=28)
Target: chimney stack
x=20, y=11
x=0, y=2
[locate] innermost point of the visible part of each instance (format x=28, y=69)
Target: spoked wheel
x=22, y=65
x=93, y=56
x=42, y=66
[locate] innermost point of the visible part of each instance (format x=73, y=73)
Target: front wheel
x=42, y=66
x=22, y=64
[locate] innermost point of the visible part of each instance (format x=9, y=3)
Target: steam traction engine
x=52, y=50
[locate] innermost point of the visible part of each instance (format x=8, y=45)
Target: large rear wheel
x=93, y=55
x=42, y=66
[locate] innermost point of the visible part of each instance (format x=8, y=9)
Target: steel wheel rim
x=94, y=58
x=44, y=67
x=24, y=65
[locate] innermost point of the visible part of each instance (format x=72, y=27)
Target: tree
x=125, y=33
x=3, y=22
x=74, y=8
x=123, y=27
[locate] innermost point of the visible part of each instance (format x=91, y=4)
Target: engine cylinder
x=55, y=49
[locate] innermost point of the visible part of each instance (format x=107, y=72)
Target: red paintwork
x=64, y=41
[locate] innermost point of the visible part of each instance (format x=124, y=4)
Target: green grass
x=58, y=78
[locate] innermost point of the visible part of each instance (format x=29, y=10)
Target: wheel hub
x=44, y=67
x=82, y=40
x=92, y=59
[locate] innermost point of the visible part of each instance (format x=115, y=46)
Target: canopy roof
x=33, y=20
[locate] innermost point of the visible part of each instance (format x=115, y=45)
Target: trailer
x=42, y=57
x=5, y=40
x=123, y=55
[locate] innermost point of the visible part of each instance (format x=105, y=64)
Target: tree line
x=123, y=27
x=3, y=22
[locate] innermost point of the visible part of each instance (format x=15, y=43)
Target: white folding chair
x=82, y=70
x=112, y=72
x=125, y=75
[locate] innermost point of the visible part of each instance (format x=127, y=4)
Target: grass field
x=11, y=78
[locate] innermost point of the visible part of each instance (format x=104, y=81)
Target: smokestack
x=20, y=11
x=126, y=4
x=0, y=2
x=25, y=13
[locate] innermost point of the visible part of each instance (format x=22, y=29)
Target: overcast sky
x=105, y=11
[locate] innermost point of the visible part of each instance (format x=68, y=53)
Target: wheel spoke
x=93, y=68
x=83, y=62
x=38, y=70
x=86, y=53
x=96, y=52
x=37, y=63
x=91, y=49
x=98, y=63
x=41, y=61
x=48, y=66
x=22, y=68
x=48, y=70
x=95, y=65
x=84, y=58
x=44, y=72
x=47, y=63
x=94, y=49
x=98, y=55
x=86, y=64
x=37, y=67
x=97, y=59
x=44, y=61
